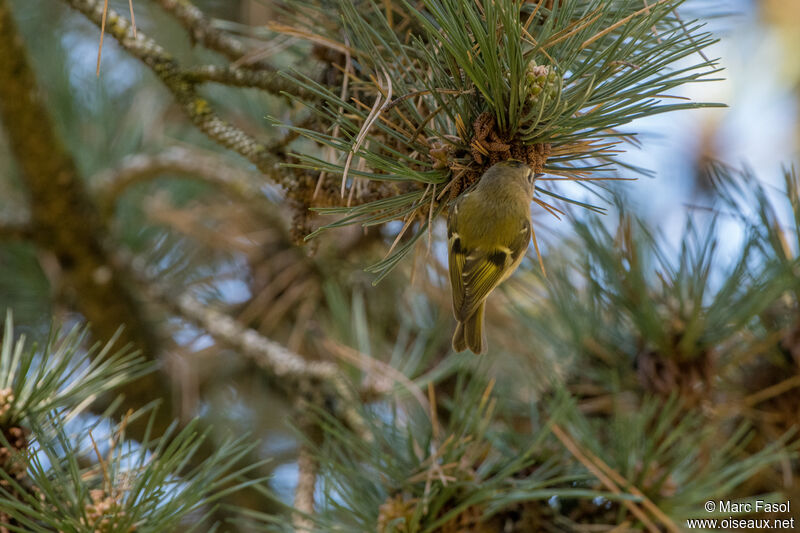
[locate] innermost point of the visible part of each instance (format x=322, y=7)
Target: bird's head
x=509, y=172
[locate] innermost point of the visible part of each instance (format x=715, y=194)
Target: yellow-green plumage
x=488, y=233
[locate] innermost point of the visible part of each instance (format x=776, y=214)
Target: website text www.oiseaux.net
x=742, y=522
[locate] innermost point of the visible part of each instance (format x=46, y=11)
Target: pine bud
x=540, y=83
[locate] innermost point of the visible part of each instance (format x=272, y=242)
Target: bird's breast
x=497, y=225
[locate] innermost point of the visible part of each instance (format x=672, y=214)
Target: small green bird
x=488, y=232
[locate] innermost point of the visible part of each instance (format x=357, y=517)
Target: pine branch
x=62, y=377
x=291, y=368
x=66, y=221
x=318, y=382
x=421, y=473
x=673, y=478
x=65, y=375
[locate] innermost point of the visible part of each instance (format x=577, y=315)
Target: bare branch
x=316, y=382
x=268, y=354
x=202, y=30
x=236, y=182
x=169, y=72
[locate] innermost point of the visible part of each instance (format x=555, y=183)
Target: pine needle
x=409, y=221
x=371, y=366
x=532, y=15
x=421, y=92
x=370, y=120
x=619, y=23
x=308, y=36
x=430, y=220
x=102, y=34
x=434, y=416
x=101, y=462
x=689, y=35
x=579, y=25
x=772, y=391
x=646, y=502
x=549, y=208
x=538, y=253
x=329, y=150
x=133, y=19
x=578, y=453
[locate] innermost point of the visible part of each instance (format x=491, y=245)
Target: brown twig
x=619, y=23
x=102, y=35
x=133, y=17
x=772, y=391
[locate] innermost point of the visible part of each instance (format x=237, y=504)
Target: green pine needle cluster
x=130, y=487
x=59, y=471
x=428, y=95
x=35, y=382
x=669, y=384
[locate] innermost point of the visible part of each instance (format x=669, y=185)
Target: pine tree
x=286, y=266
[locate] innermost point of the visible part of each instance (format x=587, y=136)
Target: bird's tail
x=469, y=333
x=459, y=344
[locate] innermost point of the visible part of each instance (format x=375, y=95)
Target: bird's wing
x=483, y=270
x=457, y=256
